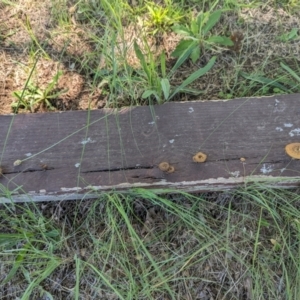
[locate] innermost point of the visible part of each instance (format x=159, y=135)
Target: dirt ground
x=219, y=246
x=30, y=27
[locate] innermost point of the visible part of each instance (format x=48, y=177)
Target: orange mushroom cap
x=293, y=150
x=199, y=157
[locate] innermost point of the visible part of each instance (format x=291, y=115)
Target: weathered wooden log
x=71, y=155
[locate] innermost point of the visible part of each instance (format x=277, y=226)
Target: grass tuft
x=242, y=244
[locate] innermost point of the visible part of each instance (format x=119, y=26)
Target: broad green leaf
x=165, y=85
x=182, y=46
x=222, y=40
x=180, y=29
x=149, y=93
x=194, y=27
x=52, y=233
x=191, y=45
x=201, y=19
x=293, y=34
x=142, y=60
x=212, y=21
x=195, y=54
x=194, y=76
x=138, y=52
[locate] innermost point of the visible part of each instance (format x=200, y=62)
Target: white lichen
x=294, y=132
x=17, y=162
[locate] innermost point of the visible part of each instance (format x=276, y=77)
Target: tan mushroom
x=164, y=166
x=199, y=157
x=171, y=169
x=293, y=150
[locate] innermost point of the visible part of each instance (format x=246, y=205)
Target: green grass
x=106, y=24
x=145, y=246
x=108, y=34
x=243, y=244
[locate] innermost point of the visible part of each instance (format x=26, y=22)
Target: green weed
x=289, y=36
x=33, y=97
x=160, y=18
x=283, y=83
x=196, y=35
x=159, y=87
x=290, y=5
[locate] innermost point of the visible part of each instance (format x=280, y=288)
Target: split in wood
x=293, y=150
x=199, y=157
x=166, y=167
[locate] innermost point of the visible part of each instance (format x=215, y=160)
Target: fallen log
x=77, y=154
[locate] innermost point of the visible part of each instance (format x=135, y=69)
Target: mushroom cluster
x=166, y=167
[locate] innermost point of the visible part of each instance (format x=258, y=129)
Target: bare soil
x=72, y=50
x=28, y=27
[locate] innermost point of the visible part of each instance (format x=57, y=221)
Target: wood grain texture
x=71, y=154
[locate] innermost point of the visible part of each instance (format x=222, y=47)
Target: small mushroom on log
x=171, y=169
x=293, y=150
x=164, y=166
x=199, y=157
